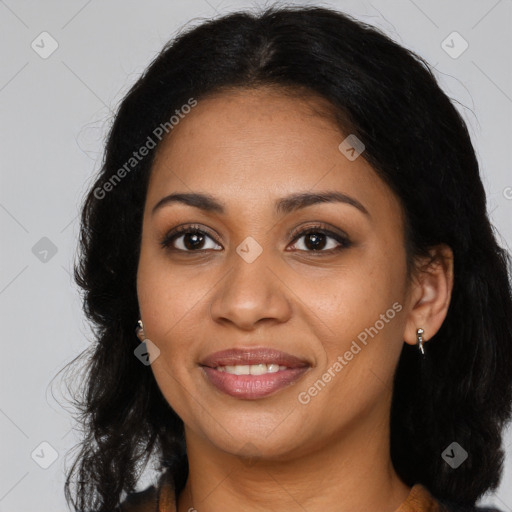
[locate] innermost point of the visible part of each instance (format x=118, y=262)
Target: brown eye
x=187, y=239
x=317, y=239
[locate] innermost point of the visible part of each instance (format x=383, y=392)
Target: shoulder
x=421, y=498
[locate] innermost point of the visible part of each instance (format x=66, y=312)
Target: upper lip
x=250, y=356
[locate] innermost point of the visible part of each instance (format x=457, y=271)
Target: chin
x=257, y=439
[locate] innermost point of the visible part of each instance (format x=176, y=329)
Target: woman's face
x=335, y=299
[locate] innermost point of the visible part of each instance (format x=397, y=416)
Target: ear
x=430, y=294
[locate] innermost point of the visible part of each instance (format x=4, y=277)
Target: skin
x=249, y=148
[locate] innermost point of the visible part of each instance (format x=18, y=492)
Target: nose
x=251, y=294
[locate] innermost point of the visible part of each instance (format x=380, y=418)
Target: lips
x=283, y=370
x=253, y=356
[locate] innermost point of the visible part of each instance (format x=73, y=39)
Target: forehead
x=258, y=143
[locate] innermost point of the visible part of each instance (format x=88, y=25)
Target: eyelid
x=342, y=239
x=177, y=231
x=321, y=226
x=295, y=234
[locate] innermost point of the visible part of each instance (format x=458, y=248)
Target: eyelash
x=344, y=241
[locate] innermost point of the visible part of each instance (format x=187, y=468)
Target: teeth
x=253, y=369
x=239, y=369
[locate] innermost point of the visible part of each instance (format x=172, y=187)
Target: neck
x=351, y=472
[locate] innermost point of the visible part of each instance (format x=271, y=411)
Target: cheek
x=352, y=298
x=358, y=311
x=171, y=313
x=177, y=390
x=166, y=299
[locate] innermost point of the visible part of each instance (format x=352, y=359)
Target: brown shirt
x=164, y=500
x=420, y=500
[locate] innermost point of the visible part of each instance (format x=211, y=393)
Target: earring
x=139, y=331
x=419, y=333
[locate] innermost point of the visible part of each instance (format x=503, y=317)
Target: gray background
x=55, y=112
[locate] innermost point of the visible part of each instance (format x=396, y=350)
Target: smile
x=253, y=369
x=252, y=373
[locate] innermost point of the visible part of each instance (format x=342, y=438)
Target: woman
x=290, y=215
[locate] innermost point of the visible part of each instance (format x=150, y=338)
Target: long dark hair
x=417, y=143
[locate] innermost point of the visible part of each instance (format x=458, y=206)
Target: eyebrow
x=283, y=206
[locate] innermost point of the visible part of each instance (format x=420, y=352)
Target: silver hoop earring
x=419, y=336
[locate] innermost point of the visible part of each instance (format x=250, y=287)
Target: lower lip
x=252, y=387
